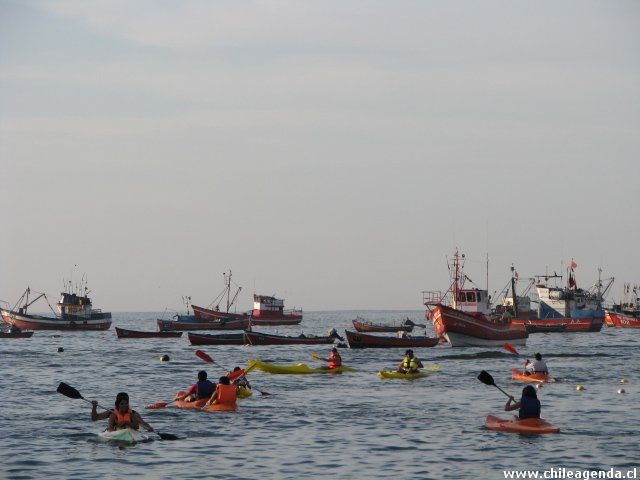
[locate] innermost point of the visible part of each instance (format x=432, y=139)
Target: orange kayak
x=532, y=426
x=534, y=377
x=221, y=407
x=183, y=404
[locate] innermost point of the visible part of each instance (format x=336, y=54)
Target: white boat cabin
x=472, y=301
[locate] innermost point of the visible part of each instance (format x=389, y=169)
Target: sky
x=332, y=153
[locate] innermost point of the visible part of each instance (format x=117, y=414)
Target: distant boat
x=363, y=340
x=76, y=313
x=219, y=324
x=568, y=308
x=468, y=321
x=16, y=334
x=125, y=333
x=626, y=314
x=216, y=339
x=213, y=313
x=261, y=338
x=362, y=325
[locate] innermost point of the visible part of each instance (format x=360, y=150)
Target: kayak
x=220, y=407
x=300, y=368
x=532, y=426
x=126, y=435
x=534, y=377
x=194, y=404
x=244, y=392
x=404, y=376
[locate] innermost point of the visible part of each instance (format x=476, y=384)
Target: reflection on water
x=353, y=425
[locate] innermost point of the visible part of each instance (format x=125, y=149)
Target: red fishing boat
x=363, y=340
x=213, y=312
x=125, y=333
x=261, y=338
x=216, y=339
x=468, y=321
x=362, y=325
x=269, y=310
x=75, y=313
x=568, y=309
x=627, y=313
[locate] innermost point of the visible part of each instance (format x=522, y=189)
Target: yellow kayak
x=300, y=368
x=404, y=376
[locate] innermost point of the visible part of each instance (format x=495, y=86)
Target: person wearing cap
x=334, y=360
x=410, y=363
x=203, y=388
x=538, y=366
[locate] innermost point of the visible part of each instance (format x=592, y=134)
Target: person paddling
x=202, y=389
x=225, y=393
x=95, y=415
x=529, y=405
x=538, y=366
x=123, y=417
x=242, y=380
x=334, y=360
x=410, y=364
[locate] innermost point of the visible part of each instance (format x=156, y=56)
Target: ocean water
x=353, y=425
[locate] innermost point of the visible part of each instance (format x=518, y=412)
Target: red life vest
x=335, y=360
x=126, y=418
x=227, y=394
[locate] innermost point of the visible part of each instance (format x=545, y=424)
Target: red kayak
x=533, y=377
x=531, y=426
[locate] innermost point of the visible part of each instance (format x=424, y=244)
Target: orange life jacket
x=227, y=394
x=126, y=417
x=335, y=360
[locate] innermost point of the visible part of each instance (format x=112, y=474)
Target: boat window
x=471, y=297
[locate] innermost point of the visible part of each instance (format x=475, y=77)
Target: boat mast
x=513, y=291
x=456, y=278
x=228, y=283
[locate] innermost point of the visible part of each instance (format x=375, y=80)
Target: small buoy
x=164, y=358
x=624, y=380
x=60, y=349
x=538, y=386
x=579, y=388
x=622, y=390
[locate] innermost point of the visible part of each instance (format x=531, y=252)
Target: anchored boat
x=627, y=313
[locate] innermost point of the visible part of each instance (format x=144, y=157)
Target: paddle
x=487, y=379
x=232, y=376
x=511, y=348
x=69, y=391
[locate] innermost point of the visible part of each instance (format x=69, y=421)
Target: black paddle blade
x=68, y=391
x=486, y=378
x=167, y=436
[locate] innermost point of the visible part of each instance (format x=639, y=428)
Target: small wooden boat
x=363, y=340
x=544, y=328
x=259, y=338
x=124, y=333
x=362, y=325
x=16, y=334
x=219, y=324
x=216, y=339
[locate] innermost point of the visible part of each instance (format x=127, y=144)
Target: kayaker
x=538, y=366
x=410, y=364
x=242, y=380
x=105, y=415
x=202, y=389
x=225, y=393
x=334, y=360
x=529, y=404
x=123, y=417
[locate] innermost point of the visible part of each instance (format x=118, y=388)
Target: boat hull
x=208, y=315
x=531, y=426
x=565, y=325
x=220, y=324
x=16, y=334
x=464, y=330
x=38, y=322
x=299, y=369
x=403, y=376
x=362, y=326
x=125, y=333
x=266, y=321
x=520, y=376
x=260, y=338
x=222, y=339
x=621, y=319
x=363, y=340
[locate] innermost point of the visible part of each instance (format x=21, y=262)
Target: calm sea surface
x=353, y=425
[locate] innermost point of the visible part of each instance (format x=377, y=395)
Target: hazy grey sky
x=333, y=153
